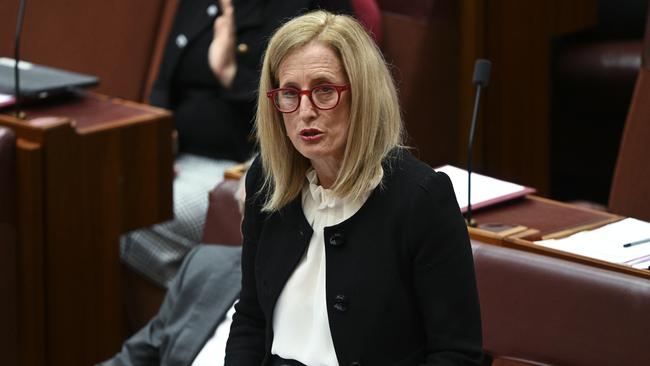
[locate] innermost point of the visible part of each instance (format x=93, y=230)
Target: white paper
x=10, y=62
x=606, y=243
x=6, y=99
x=484, y=188
x=642, y=265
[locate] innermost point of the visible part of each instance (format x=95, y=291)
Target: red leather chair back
x=223, y=220
x=420, y=42
x=544, y=310
x=630, y=193
x=367, y=11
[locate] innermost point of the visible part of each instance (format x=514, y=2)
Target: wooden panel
x=66, y=252
x=472, y=38
x=572, y=16
x=424, y=57
x=8, y=248
x=79, y=190
x=513, y=131
x=111, y=39
x=30, y=266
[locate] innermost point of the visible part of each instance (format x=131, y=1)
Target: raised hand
x=221, y=54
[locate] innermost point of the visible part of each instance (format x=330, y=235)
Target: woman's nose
x=307, y=108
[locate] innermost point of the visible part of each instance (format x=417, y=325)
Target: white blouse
x=213, y=352
x=300, y=323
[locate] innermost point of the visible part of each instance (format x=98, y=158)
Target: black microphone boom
x=482, y=69
x=19, y=29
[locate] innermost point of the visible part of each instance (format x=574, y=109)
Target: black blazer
x=399, y=275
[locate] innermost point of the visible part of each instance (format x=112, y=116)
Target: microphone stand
x=472, y=132
x=19, y=27
x=482, y=69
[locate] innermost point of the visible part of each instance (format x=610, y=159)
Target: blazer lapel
x=286, y=238
x=193, y=17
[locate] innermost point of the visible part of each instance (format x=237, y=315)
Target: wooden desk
x=88, y=170
x=542, y=218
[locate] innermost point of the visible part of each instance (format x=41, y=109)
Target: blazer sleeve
x=444, y=280
x=144, y=347
x=246, y=343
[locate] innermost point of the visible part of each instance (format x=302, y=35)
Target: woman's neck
x=326, y=171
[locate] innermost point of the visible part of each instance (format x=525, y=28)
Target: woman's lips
x=311, y=134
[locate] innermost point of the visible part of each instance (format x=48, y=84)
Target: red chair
x=540, y=310
x=630, y=193
x=367, y=11
x=223, y=220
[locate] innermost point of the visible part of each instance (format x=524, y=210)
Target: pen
x=647, y=240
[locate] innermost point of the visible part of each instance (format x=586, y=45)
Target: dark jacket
x=211, y=120
x=399, y=275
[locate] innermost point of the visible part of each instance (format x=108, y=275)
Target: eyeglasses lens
x=287, y=100
x=323, y=97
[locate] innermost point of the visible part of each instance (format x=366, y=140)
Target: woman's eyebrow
x=321, y=80
x=288, y=84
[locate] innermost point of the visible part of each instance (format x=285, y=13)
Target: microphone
x=482, y=69
x=19, y=28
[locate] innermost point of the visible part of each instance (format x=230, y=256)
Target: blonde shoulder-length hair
x=375, y=122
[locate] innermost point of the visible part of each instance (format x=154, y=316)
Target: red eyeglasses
x=323, y=97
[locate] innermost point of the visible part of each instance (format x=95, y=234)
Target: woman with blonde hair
x=354, y=251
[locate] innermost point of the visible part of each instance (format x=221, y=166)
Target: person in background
x=208, y=78
x=192, y=324
x=354, y=251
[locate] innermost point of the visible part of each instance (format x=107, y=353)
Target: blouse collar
x=325, y=198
